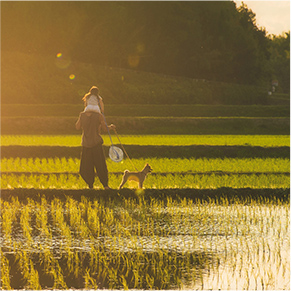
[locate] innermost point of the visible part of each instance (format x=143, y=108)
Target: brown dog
x=136, y=176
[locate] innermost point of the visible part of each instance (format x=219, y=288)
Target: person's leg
x=100, y=165
x=87, y=166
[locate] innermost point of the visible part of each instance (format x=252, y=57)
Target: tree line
x=213, y=40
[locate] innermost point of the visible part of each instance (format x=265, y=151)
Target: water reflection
x=173, y=245
x=115, y=270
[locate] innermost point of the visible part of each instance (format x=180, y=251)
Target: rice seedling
x=194, y=181
x=57, y=165
x=8, y=218
x=138, y=243
x=61, y=226
x=41, y=219
x=5, y=272
x=143, y=244
x=27, y=269
x=54, y=177
x=161, y=165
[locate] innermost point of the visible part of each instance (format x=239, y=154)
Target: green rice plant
x=202, y=165
x=93, y=221
x=8, y=216
x=25, y=218
x=256, y=180
x=41, y=218
x=217, y=181
x=59, y=222
x=90, y=283
x=5, y=272
x=46, y=258
x=33, y=279
x=53, y=181
x=163, y=244
x=160, y=165
x=26, y=266
x=77, y=222
x=40, y=165
x=57, y=273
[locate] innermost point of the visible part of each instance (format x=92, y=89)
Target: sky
x=273, y=15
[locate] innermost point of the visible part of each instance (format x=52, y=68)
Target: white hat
x=115, y=154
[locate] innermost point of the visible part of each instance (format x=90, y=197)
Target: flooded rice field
x=137, y=243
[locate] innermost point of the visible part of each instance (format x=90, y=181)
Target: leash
x=117, y=137
x=105, y=123
x=125, y=150
x=115, y=151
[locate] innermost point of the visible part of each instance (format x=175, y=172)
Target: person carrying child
x=92, y=156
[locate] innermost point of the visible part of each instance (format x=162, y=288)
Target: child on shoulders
x=93, y=101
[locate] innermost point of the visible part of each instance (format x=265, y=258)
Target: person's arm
x=78, y=124
x=103, y=125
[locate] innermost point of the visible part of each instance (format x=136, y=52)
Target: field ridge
x=202, y=194
x=137, y=151
x=152, y=174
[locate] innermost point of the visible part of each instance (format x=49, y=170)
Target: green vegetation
x=144, y=244
x=202, y=41
x=214, y=213
x=164, y=181
x=48, y=119
x=144, y=140
x=117, y=86
x=221, y=234
x=207, y=218
x=161, y=165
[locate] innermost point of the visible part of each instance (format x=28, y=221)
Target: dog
x=136, y=176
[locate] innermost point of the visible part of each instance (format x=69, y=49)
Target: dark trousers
x=93, y=158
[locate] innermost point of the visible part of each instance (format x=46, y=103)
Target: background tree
x=211, y=40
x=280, y=61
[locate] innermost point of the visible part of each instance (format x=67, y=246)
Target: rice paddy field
x=182, y=140
x=209, y=222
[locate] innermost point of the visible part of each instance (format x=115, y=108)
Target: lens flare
x=62, y=62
